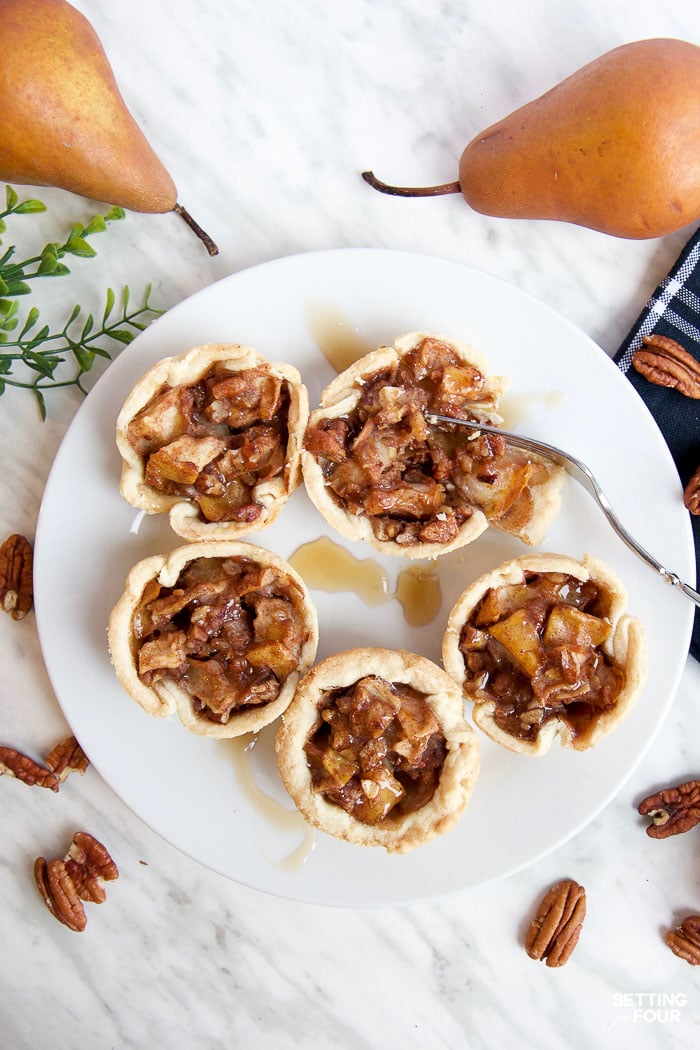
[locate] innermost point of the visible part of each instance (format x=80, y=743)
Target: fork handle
x=664, y=573
x=671, y=578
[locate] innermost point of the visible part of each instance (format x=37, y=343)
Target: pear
x=65, y=123
x=614, y=147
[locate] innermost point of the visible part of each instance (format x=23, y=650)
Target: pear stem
x=204, y=237
x=410, y=191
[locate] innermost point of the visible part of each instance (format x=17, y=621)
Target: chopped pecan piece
x=67, y=757
x=15, y=764
x=673, y=810
x=59, y=893
x=16, y=576
x=665, y=362
x=691, y=496
x=555, y=930
x=684, y=940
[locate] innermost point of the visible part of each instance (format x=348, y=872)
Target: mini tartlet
x=218, y=633
x=213, y=436
x=379, y=472
x=374, y=749
x=543, y=648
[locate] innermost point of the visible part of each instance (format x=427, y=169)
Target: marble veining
x=266, y=114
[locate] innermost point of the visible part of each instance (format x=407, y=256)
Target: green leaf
x=85, y=358
x=78, y=246
x=73, y=314
x=32, y=318
x=60, y=271
x=29, y=207
x=45, y=365
x=9, y=326
x=2, y=388
x=109, y=306
x=40, y=337
x=121, y=335
x=96, y=225
x=42, y=403
x=17, y=288
x=4, y=288
x=101, y=352
x=11, y=198
x=87, y=328
x=48, y=264
x=115, y=214
x=3, y=225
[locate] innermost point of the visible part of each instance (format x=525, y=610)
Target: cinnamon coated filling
x=376, y=750
x=214, y=441
x=535, y=648
x=415, y=482
x=229, y=632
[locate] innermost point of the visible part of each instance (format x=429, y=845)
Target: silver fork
x=583, y=475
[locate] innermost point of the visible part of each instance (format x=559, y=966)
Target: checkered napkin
x=673, y=311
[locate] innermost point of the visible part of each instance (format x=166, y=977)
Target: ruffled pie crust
x=530, y=515
x=166, y=697
x=458, y=772
x=141, y=432
x=624, y=649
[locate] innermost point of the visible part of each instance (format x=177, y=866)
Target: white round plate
x=224, y=806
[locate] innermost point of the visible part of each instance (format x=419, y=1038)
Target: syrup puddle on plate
x=273, y=814
x=520, y=408
x=339, y=342
x=326, y=566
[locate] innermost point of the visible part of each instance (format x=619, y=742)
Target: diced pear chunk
x=519, y=635
x=339, y=767
x=567, y=625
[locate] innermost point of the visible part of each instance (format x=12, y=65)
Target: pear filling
x=418, y=483
x=213, y=442
x=535, y=648
x=229, y=632
x=376, y=750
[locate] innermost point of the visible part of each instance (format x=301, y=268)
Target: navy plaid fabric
x=673, y=311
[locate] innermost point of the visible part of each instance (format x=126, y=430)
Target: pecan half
x=15, y=764
x=80, y=876
x=665, y=362
x=59, y=893
x=555, y=930
x=684, y=940
x=67, y=757
x=16, y=576
x=90, y=866
x=673, y=810
x=691, y=496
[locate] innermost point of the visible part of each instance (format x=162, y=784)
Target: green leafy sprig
x=31, y=360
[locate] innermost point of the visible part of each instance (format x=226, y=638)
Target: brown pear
x=64, y=120
x=615, y=147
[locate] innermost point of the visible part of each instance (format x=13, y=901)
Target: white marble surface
x=265, y=113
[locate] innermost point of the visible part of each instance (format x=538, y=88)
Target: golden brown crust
x=625, y=647
x=459, y=770
x=166, y=697
x=342, y=397
x=185, y=370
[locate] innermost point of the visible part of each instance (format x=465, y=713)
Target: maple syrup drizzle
x=418, y=591
x=337, y=339
x=326, y=566
x=272, y=811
